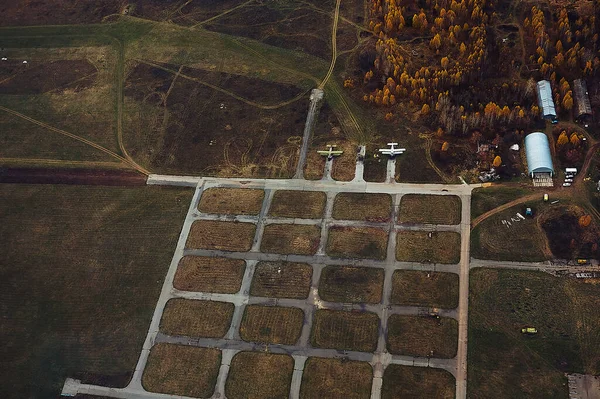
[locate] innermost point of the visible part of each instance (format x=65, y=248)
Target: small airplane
x=392, y=151
x=330, y=153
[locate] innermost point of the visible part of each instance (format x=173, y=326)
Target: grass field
x=290, y=239
x=281, y=280
x=206, y=319
x=225, y=236
x=154, y=119
x=336, y=379
x=54, y=86
x=345, y=330
x=182, y=370
x=425, y=208
x=357, y=242
x=416, y=288
x=361, y=206
x=203, y=274
x=417, y=246
x=231, y=201
x=351, y=284
x=504, y=363
x=524, y=240
x=80, y=272
x=422, y=336
x=486, y=199
x=401, y=382
x=272, y=324
x=298, y=204
x=259, y=375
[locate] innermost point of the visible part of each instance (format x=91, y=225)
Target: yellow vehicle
x=545, y=197
x=529, y=330
x=582, y=261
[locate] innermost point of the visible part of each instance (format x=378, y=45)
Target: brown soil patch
x=259, y=375
x=417, y=246
x=296, y=28
x=203, y=274
x=417, y=382
x=38, y=78
x=434, y=209
x=290, y=239
x=422, y=336
x=361, y=206
x=357, y=242
x=281, y=280
x=345, y=330
x=232, y=201
x=56, y=12
x=416, y=288
x=182, y=370
x=336, y=379
x=272, y=324
x=351, y=284
x=298, y=204
x=72, y=176
x=235, y=138
x=194, y=318
x=225, y=236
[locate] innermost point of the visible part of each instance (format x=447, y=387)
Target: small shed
x=545, y=101
x=539, y=158
x=583, y=108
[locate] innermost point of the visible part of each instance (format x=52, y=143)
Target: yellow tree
x=562, y=139
x=425, y=109
x=574, y=140
x=436, y=42
x=497, y=161
x=445, y=61
x=567, y=101
x=445, y=146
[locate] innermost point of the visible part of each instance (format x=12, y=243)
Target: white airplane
x=330, y=153
x=392, y=151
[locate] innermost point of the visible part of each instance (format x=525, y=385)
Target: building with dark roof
x=583, y=108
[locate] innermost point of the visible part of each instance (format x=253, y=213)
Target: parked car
x=566, y=184
x=568, y=180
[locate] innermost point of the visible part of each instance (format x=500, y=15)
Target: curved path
x=78, y=138
x=336, y=16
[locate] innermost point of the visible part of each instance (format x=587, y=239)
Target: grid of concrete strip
x=232, y=343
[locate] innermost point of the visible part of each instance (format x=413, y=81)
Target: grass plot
x=196, y=318
x=225, y=236
x=203, y=274
x=345, y=330
x=231, y=201
x=182, y=370
x=336, y=379
x=430, y=247
x=259, y=375
x=271, y=324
